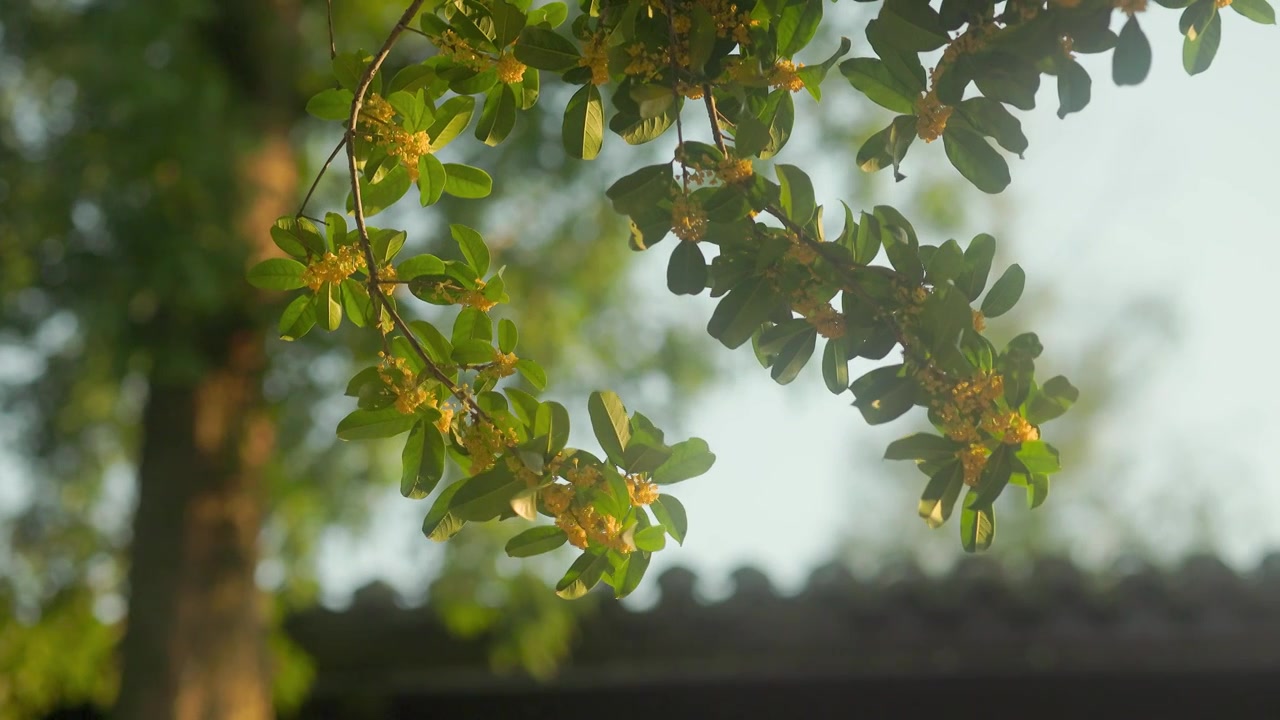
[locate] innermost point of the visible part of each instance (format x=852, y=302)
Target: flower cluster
x=783, y=75
x=595, y=55
x=376, y=127
x=688, y=220
x=931, y=116
x=333, y=268
x=483, y=442
x=510, y=70
x=580, y=521
x=410, y=394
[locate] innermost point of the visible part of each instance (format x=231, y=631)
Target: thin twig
x=675, y=90
x=714, y=116
x=375, y=289
x=333, y=48
x=316, y=182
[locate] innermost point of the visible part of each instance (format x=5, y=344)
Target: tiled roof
x=1199, y=618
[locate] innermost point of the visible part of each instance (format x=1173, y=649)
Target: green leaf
x=1196, y=18
x=328, y=306
x=977, y=266
x=413, y=109
x=947, y=263
x=1008, y=78
x=687, y=270
x=702, y=38
x=376, y=197
x=472, y=247
x=467, y=182
x=507, y=335
x=977, y=161
x=883, y=394
x=583, y=128
x=689, y=459
x=643, y=188
x=922, y=446
x=433, y=341
x=867, y=245
x=1259, y=11
x=939, y=496
x=536, y=541
x=835, y=367
x=545, y=49
x=1132, y=58
x=277, y=274
x=874, y=79
x=797, y=194
x=331, y=104
x=793, y=356
x=1037, y=491
x=1038, y=457
x=297, y=319
x=1053, y=399
x=1198, y=53
x=508, y=21
x=1074, y=88
x=638, y=561
x=440, y=524
x=741, y=311
x=471, y=352
x=585, y=572
x=498, y=116
x=651, y=539
x=452, y=117
x=471, y=324
x=913, y=25
x=610, y=424
x=552, y=14
x=671, y=514
x=297, y=237
x=431, y=179
x=796, y=25
x=422, y=460
x=532, y=372
x=487, y=495
x=990, y=118
x=1005, y=293
x=374, y=424
x=977, y=526
x=356, y=303
x=552, y=420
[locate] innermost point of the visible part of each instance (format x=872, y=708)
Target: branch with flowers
x=782, y=283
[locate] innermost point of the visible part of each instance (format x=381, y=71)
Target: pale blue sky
x=1164, y=194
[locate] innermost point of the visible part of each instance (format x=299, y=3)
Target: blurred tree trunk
x=195, y=642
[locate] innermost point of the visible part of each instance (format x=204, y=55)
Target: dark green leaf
x=487, y=495
x=977, y=526
x=536, y=541
x=939, y=496
x=1074, y=88
x=440, y=524
x=1005, y=293
x=990, y=118
x=689, y=459
x=498, y=116
x=422, y=460
x=741, y=311
x=297, y=319
x=921, y=446
x=793, y=356
x=641, y=189
x=687, y=270
x=1259, y=11
x=1132, y=58
x=883, y=394
x=977, y=266
x=671, y=514
x=1053, y=399
x=637, y=562
x=797, y=194
x=583, y=128
x=976, y=160
x=835, y=367
x=585, y=572
x=796, y=25
x=874, y=79
x=1198, y=53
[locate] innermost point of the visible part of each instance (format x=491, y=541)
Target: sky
x=1147, y=225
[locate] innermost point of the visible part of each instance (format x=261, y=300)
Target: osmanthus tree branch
x=848, y=274
x=376, y=294
x=316, y=183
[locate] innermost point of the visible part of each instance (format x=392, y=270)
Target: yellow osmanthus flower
x=1220, y=3
x=1012, y=428
x=730, y=21
x=460, y=51
x=410, y=394
x=829, y=323
x=643, y=62
x=931, y=116
x=979, y=321
x=736, y=170
x=445, y=422
x=783, y=75
x=584, y=477
x=377, y=109
x=595, y=55
x=740, y=70
x=483, y=442
x=688, y=220
x=974, y=459
x=557, y=498
x=577, y=535
x=692, y=91
x=510, y=70
x=802, y=253
x=585, y=525
x=333, y=268
x=641, y=492
x=477, y=300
